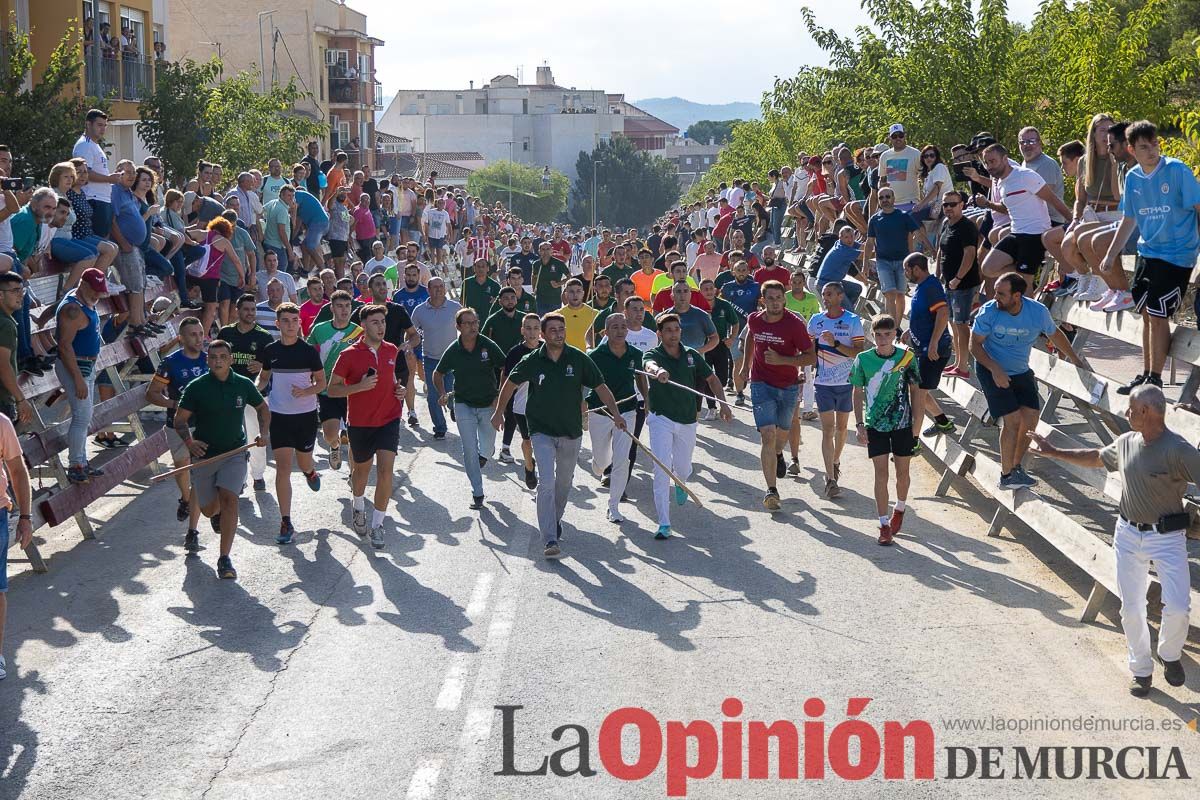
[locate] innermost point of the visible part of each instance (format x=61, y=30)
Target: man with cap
x=899, y=168
x=78, y=333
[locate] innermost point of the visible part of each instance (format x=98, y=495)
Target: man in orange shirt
x=643, y=279
x=335, y=178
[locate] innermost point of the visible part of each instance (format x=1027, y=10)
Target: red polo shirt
x=776, y=273
x=379, y=406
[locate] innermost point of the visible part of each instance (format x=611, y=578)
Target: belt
x=1147, y=526
x=1104, y=206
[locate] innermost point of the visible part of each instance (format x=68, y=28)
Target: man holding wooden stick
x=671, y=412
x=215, y=403
x=617, y=361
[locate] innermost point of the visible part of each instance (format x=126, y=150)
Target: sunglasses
x=898, y=135
x=929, y=155
x=950, y=205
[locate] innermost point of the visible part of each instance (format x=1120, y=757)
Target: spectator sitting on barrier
x=13, y=402
x=1093, y=243
x=1004, y=333
x=836, y=266
x=75, y=243
x=1156, y=466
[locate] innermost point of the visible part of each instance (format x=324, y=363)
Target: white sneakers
x=1122, y=301
x=1091, y=288
x=1104, y=300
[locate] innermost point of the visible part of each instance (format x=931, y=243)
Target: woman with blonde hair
x=75, y=243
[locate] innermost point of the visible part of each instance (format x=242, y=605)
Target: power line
x=279, y=37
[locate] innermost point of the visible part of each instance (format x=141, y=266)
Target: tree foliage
x=194, y=115
x=530, y=201
x=632, y=187
x=707, y=130
x=41, y=123
x=950, y=68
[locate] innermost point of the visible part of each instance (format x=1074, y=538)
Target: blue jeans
x=157, y=263
x=556, y=457
x=777, y=214
x=478, y=439
x=436, y=415
x=81, y=410
x=773, y=406
x=102, y=217
x=70, y=251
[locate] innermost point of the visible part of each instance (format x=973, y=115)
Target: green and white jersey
x=887, y=382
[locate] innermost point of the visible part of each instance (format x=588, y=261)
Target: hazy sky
x=491, y=37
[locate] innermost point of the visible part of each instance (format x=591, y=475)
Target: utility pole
x=510, y=166
x=262, y=55
x=594, y=163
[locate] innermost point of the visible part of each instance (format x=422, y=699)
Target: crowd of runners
x=326, y=301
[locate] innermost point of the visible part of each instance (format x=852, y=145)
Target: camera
x=16, y=184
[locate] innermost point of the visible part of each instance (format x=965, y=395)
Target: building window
x=707, y=161
x=133, y=31
x=411, y=108
x=525, y=106
x=421, y=96
x=688, y=161
x=364, y=66
x=525, y=145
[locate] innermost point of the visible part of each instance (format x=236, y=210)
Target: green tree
x=707, y=130
x=41, y=123
x=633, y=188
x=193, y=115
x=530, y=200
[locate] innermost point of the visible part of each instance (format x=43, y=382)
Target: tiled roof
x=465, y=155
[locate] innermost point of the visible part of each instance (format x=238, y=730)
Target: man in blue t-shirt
x=410, y=295
x=311, y=216
x=889, y=236
x=1004, y=332
x=929, y=337
x=1161, y=201
x=835, y=268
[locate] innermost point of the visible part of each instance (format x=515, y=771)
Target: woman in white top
x=935, y=181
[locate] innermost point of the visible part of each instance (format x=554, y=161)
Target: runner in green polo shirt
x=525, y=303
x=475, y=362
x=556, y=374
x=671, y=412
x=215, y=404
x=549, y=275
x=618, y=362
x=504, y=325
x=480, y=291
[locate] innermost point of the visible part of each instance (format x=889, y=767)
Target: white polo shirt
x=97, y=161
x=1018, y=192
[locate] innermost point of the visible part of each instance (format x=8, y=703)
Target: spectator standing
x=98, y=189
x=434, y=319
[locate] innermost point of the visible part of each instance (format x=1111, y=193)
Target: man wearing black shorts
x=299, y=377
x=1026, y=198
x=247, y=339
x=514, y=411
x=365, y=374
x=331, y=338
x=929, y=338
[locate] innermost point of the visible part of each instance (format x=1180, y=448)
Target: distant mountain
x=682, y=113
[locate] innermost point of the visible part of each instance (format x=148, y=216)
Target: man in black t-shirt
x=958, y=264
x=399, y=330
x=531, y=338
x=311, y=181
x=525, y=260
x=247, y=340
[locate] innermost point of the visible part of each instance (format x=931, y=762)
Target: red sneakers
x=897, y=521
x=885, y=534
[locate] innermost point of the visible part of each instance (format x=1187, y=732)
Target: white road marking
x=424, y=779
x=452, y=688
x=478, y=602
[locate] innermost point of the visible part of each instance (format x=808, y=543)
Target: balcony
x=130, y=78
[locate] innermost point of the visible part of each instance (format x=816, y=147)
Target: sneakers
x=313, y=480
x=260, y=485
x=885, y=535
x=439, y=435
x=377, y=537
x=1017, y=479
x=225, y=570
x=1122, y=302
x=614, y=517
x=345, y=439
x=1173, y=672
x=77, y=474
x=606, y=480
x=664, y=532
x=482, y=462
x=809, y=416
x=832, y=489
x=935, y=429
x=531, y=479
x=780, y=466
x=191, y=542
x=413, y=422
x=505, y=456
x=183, y=509
x=286, y=531
x=552, y=550
x=1138, y=381
x=771, y=500
x=897, y=521
x=335, y=458
x=477, y=502
x=794, y=468
x=1092, y=288
x=358, y=519
x=680, y=495
x=1069, y=284
x=740, y=400
x=1104, y=299
x=92, y=472
x=1140, y=685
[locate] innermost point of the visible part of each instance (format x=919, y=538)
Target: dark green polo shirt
x=525, y=305
x=480, y=296
x=504, y=330
x=556, y=389
x=556, y=270
x=725, y=316
x=217, y=409
x=474, y=371
x=668, y=401
x=598, y=325
x=618, y=375
x=616, y=273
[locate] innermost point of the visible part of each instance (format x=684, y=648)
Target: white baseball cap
x=896, y=128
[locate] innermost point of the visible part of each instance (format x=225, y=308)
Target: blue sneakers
x=663, y=532
x=680, y=495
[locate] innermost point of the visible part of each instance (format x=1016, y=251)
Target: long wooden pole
x=206, y=461
x=693, y=391
x=675, y=478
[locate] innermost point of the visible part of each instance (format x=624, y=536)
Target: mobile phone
x=16, y=184
x=370, y=373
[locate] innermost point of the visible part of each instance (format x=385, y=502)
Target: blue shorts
x=228, y=292
x=891, y=275
x=834, y=398
x=4, y=551
x=71, y=250
x=772, y=405
x=313, y=234
x=393, y=226
x=436, y=244
x=961, y=301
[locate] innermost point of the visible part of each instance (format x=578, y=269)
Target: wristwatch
x=25, y=516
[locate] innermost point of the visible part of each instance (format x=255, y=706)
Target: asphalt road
x=331, y=670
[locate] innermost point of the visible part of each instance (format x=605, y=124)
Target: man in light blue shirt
x=1004, y=332
x=1161, y=200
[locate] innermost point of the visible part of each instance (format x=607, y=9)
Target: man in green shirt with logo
x=247, y=340
x=217, y=401
x=622, y=266
x=886, y=380
x=728, y=321
x=617, y=361
x=549, y=275
x=556, y=374
x=480, y=291
x=671, y=411
x=504, y=325
x=475, y=361
x=524, y=302
x=331, y=338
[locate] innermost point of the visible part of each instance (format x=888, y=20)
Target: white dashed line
x=478, y=602
x=452, y=688
x=424, y=780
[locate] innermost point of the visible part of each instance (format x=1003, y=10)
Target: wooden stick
x=206, y=461
x=693, y=391
x=654, y=458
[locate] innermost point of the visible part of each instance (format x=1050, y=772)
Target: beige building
x=322, y=43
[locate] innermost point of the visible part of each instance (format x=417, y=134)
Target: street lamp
x=262, y=55
x=594, y=163
x=510, y=166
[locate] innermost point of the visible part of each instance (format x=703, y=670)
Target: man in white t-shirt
x=899, y=168
x=272, y=272
x=98, y=190
x=380, y=261
x=436, y=227
x=736, y=194
x=1024, y=196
